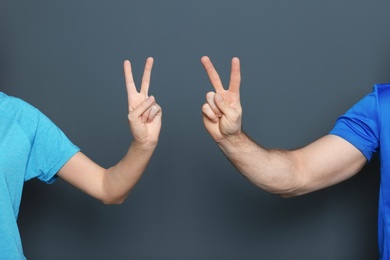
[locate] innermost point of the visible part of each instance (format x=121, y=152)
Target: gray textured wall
x=303, y=62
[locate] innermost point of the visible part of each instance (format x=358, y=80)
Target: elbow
x=113, y=201
x=287, y=191
x=288, y=195
x=296, y=183
x=291, y=187
x=297, y=188
x=287, y=175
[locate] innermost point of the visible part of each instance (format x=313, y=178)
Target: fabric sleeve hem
x=355, y=142
x=51, y=176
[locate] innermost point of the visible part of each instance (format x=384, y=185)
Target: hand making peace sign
x=144, y=113
x=222, y=111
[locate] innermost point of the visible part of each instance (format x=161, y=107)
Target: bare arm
x=325, y=162
x=322, y=163
x=113, y=185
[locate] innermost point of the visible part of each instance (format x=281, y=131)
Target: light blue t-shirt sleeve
x=50, y=148
x=360, y=125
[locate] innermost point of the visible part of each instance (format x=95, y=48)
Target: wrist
x=144, y=145
x=232, y=142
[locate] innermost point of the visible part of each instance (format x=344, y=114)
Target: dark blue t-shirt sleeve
x=360, y=125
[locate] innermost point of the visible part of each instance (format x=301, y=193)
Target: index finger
x=213, y=74
x=235, y=76
x=146, y=77
x=130, y=86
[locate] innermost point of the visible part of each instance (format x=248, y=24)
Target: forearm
x=273, y=170
x=112, y=185
x=122, y=177
x=327, y=161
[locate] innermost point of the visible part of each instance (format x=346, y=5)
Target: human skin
x=322, y=163
x=113, y=185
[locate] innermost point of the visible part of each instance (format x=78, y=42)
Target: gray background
x=304, y=63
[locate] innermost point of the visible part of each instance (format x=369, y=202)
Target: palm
x=144, y=114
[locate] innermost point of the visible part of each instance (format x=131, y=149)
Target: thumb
x=222, y=105
x=142, y=108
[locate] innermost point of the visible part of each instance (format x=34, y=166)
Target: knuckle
x=205, y=107
x=210, y=95
x=131, y=117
